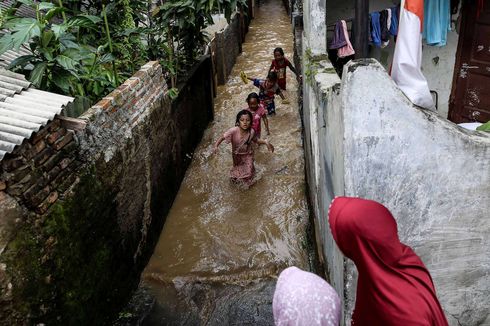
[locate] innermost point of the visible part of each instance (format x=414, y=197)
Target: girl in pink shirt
x=241, y=137
x=258, y=113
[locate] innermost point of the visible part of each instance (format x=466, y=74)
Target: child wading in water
x=258, y=113
x=242, y=137
x=279, y=65
x=268, y=88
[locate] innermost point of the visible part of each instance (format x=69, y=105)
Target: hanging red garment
x=394, y=286
x=479, y=8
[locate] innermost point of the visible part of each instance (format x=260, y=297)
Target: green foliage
x=60, y=61
x=104, y=42
x=176, y=35
x=484, y=127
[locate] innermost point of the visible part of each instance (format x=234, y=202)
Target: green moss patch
x=71, y=268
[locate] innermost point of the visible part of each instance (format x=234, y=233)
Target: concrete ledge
x=365, y=139
x=434, y=177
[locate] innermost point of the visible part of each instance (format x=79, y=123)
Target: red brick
x=19, y=174
x=54, y=125
x=12, y=163
x=61, y=177
x=53, y=137
x=20, y=150
x=104, y=104
x=39, y=197
x=43, y=156
x=133, y=83
x=35, y=149
x=17, y=189
x=63, y=141
x=117, y=96
x=124, y=88
x=52, y=161
x=71, y=146
x=73, y=123
x=41, y=134
x=35, y=188
x=65, y=162
x=54, y=173
x=151, y=67
x=43, y=207
x=69, y=183
x=141, y=74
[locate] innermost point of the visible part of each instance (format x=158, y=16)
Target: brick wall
x=39, y=170
x=83, y=201
x=228, y=46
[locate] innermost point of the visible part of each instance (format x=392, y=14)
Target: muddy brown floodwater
x=222, y=246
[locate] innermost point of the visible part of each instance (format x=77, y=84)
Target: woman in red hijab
x=394, y=286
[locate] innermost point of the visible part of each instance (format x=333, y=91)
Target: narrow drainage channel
x=222, y=247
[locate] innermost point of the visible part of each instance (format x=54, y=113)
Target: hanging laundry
x=479, y=8
x=383, y=22
x=395, y=14
x=338, y=39
x=375, y=29
x=407, y=59
x=437, y=21
x=346, y=50
x=388, y=21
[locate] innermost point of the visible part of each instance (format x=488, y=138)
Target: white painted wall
x=433, y=176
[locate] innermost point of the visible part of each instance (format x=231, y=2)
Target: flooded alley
x=223, y=246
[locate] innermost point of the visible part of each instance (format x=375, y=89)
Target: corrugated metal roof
x=10, y=55
x=24, y=110
x=22, y=11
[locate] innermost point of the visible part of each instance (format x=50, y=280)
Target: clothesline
x=437, y=23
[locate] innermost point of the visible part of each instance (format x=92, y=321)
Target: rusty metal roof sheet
x=24, y=110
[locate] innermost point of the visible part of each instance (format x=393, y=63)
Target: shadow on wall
x=102, y=203
x=432, y=174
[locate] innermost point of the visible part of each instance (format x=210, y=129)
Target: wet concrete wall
x=365, y=139
x=80, y=245
x=228, y=46
x=323, y=144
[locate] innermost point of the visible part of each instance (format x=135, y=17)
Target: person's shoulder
x=232, y=130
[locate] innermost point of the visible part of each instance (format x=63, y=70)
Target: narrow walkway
x=222, y=246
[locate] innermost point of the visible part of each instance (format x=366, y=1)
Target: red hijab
x=394, y=286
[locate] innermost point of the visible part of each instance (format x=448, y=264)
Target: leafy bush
x=101, y=43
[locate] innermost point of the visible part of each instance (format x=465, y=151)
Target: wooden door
x=470, y=96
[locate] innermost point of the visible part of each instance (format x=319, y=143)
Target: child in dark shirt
x=279, y=65
x=268, y=88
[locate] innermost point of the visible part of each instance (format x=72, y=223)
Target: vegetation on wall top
x=87, y=48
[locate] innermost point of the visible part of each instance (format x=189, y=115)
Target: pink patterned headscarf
x=303, y=298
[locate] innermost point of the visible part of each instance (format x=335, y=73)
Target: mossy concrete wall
x=228, y=45
x=77, y=262
x=363, y=138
